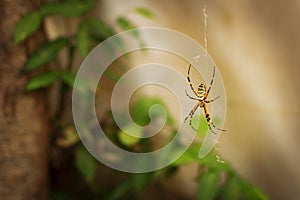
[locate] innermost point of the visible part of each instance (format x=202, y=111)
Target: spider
x=201, y=98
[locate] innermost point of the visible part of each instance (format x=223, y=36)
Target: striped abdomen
x=201, y=92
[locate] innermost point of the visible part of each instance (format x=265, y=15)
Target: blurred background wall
x=256, y=46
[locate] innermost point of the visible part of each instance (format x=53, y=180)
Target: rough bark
x=23, y=115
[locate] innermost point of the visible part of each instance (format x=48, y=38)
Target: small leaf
x=102, y=29
x=212, y=162
x=208, y=186
x=200, y=123
x=125, y=24
x=85, y=163
x=127, y=139
x=91, y=30
x=232, y=189
x=83, y=39
x=68, y=77
x=140, y=180
x=140, y=110
x=119, y=191
x=67, y=8
x=44, y=54
x=112, y=75
x=26, y=26
x=190, y=155
x=144, y=12
x=41, y=81
x=253, y=192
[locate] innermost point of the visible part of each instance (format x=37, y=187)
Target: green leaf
x=85, y=163
x=212, y=162
x=124, y=23
x=140, y=110
x=200, y=123
x=68, y=77
x=208, y=186
x=101, y=28
x=144, y=12
x=253, y=192
x=129, y=140
x=44, y=54
x=69, y=8
x=88, y=31
x=140, y=181
x=119, y=191
x=26, y=26
x=232, y=189
x=41, y=81
x=83, y=39
x=112, y=75
x=190, y=155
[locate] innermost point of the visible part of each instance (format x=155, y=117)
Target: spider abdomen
x=201, y=92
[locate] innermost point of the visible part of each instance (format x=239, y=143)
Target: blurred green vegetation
x=75, y=174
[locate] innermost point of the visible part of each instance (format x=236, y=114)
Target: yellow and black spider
x=201, y=97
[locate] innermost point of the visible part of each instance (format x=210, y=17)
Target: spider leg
x=210, y=128
x=189, y=80
x=190, y=123
x=191, y=96
x=191, y=113
x=217, y=127
x=209, y=121
x=208, y=101
x=211, y=82
x=211, y=124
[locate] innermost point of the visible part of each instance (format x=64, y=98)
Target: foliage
x=32, y=21
x=85, y=163
x=216, y=180
x=44, y=54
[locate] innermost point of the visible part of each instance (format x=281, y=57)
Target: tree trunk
x=24, y=129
